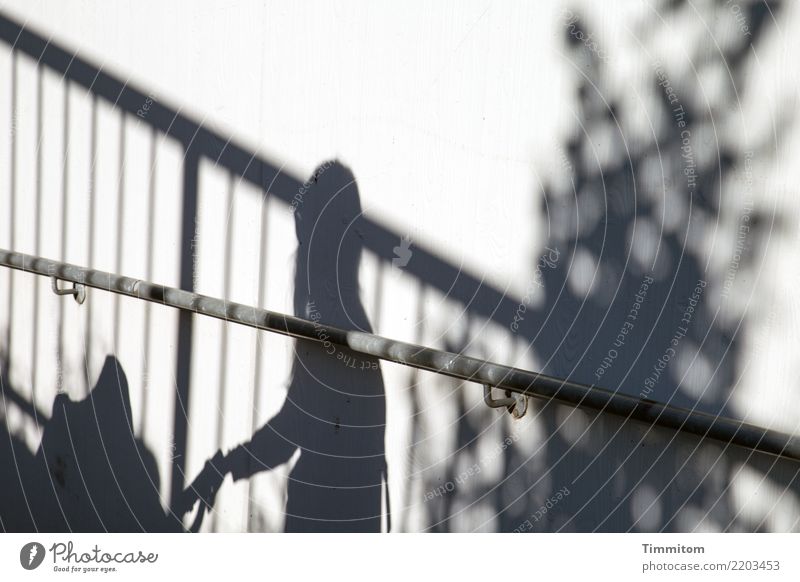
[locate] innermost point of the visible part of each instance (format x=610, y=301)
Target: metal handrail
x=719, y=428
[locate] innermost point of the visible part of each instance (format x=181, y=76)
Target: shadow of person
x=20, y=473
x=335, y=410
x=90, y=474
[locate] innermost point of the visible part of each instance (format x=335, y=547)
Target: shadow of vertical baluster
x=13, y=204
x=262, y=300
x=37, y=233
x=183, y=365
x=376, y=321
x=151, y=215
x=63, y=241
x=416, y=412
x=120, y=221
x=87, y=350
x=222, y=382
x=378, y=297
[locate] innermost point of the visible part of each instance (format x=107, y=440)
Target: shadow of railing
x=199, y=143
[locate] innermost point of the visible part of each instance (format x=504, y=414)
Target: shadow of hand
x=204, y=488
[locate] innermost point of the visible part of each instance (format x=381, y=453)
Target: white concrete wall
x=455, y=120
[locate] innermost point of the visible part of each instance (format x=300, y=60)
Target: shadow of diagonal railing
x=199, y=142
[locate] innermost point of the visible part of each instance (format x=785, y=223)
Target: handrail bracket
x=516, y=404
x=78, y=291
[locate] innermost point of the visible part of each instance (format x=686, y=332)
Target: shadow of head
x=327, y=220
x=328, y=217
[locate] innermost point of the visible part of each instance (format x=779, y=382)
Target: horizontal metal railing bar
x=719, y=428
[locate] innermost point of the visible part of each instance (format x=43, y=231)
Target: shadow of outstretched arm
x=270, y=447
